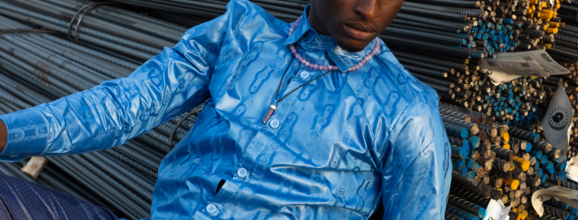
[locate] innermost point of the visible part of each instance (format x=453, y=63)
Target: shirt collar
x=342, y=58
x=301, y=29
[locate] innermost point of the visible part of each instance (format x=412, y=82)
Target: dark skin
x=344, y=19
x=352, y=23
x=2, y=135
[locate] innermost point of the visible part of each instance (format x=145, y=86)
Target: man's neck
x=314, y=21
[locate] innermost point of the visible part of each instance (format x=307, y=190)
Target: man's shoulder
x=402, y=82
x=242, y=4
x=247, y=9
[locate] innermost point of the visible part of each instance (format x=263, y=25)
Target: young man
x=310, y=120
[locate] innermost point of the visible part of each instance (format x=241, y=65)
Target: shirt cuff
x=27, y=135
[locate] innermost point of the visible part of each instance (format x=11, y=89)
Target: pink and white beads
x=330, y=67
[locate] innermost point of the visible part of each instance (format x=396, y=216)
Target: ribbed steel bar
x=143, y=193
x=77, y=173
x=132, y=163
x=35, y=80
x=114, y=186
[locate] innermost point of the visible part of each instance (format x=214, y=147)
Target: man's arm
x=417, y=174
x=2, y=135
x=118, y=110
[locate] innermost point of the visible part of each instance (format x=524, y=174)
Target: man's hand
x=3, y=135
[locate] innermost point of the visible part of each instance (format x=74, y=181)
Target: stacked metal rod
x=565, y=52
x=521, y=163
x=195, y=11
x=455, y=73
x=568, y=11
x=485, y=165
x=564, y=49
x=526, y=162
x=129, y=35
x=444, y=48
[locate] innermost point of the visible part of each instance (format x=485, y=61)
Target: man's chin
x=353, y=47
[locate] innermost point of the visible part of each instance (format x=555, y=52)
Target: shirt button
x=305, y=74
x=242, y=172
x=274, y=123
x=212, y=209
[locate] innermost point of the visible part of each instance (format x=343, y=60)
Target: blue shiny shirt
x=331, y=150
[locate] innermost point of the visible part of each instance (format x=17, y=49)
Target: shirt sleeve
x=417, y=172
x=118, y=110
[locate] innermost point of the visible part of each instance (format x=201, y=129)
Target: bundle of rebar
x=496, y=161
x=185, y=12
x=497, y=144
x=564, y=49
x=568, y=11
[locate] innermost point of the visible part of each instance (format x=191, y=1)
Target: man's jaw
x=359, y=31
x=352, y=47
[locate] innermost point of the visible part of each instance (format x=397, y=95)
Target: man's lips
x=359, y=32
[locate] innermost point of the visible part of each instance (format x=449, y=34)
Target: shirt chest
x=335, y=109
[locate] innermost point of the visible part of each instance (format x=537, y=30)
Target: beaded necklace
x=328, y=68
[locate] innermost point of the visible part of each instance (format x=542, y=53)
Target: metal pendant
x=270, y=112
